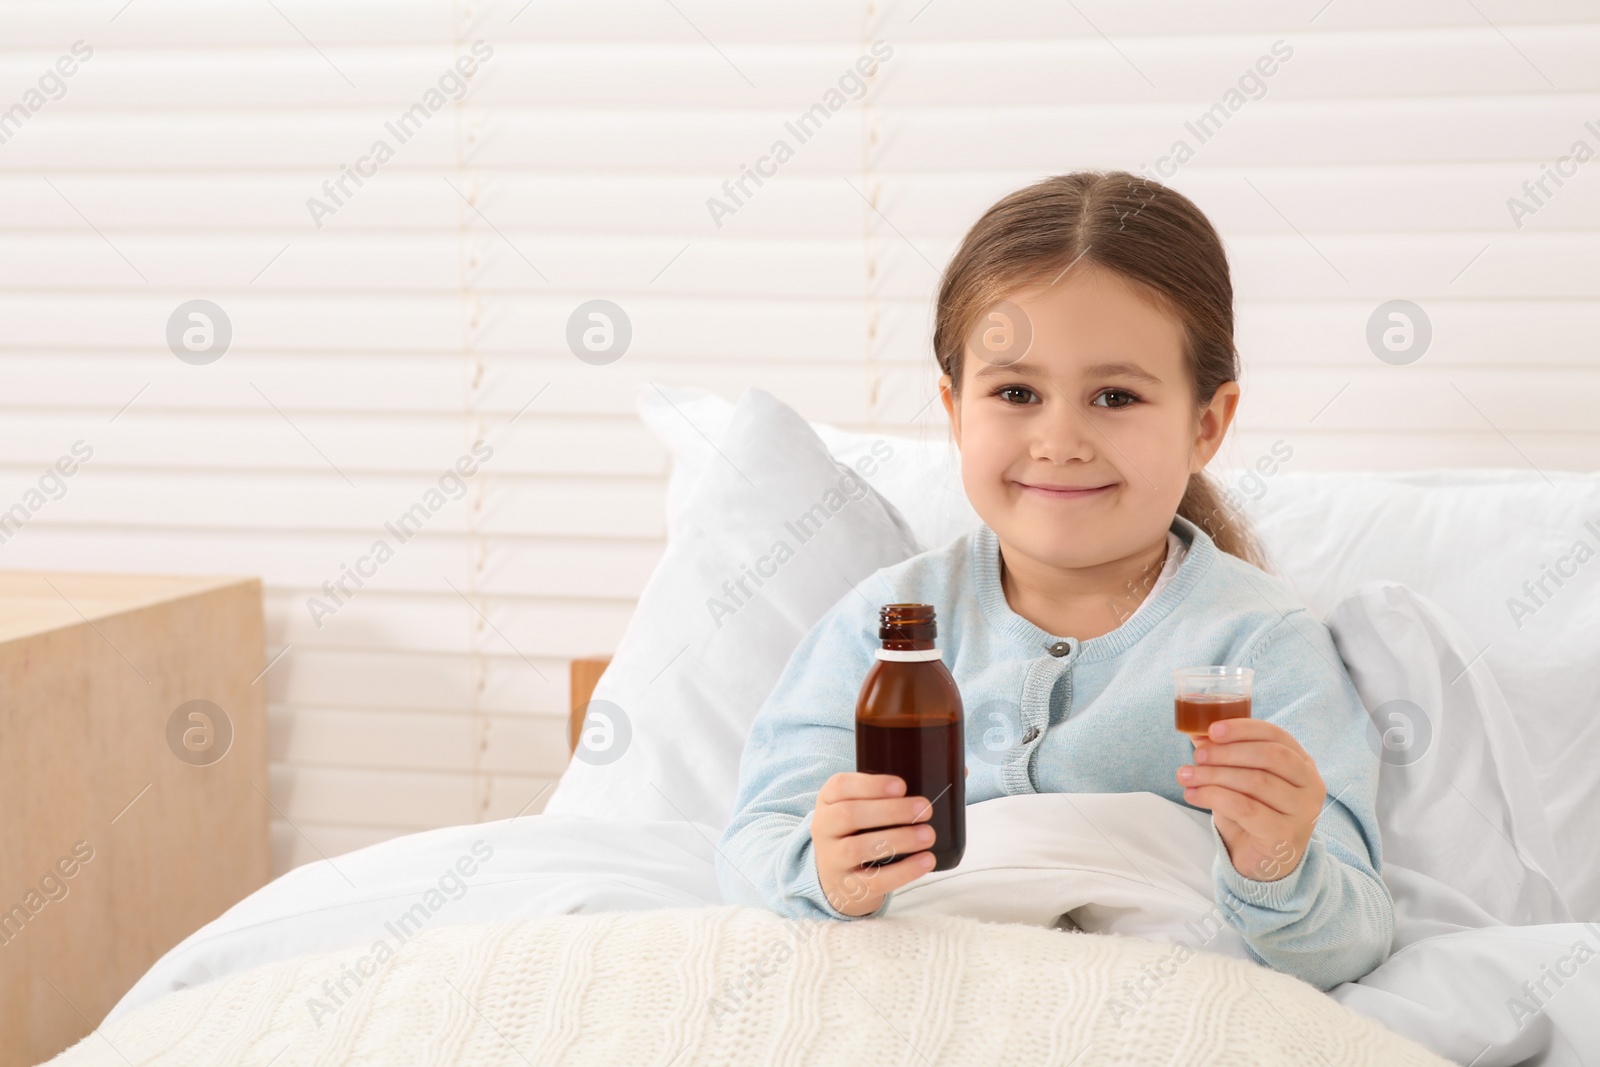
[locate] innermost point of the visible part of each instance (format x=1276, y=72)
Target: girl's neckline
x=992, y=598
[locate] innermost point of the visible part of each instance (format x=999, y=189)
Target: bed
x=1077, y=930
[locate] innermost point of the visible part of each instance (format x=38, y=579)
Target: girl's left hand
x=1263, y=791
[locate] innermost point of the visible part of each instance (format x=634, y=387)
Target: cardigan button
x=1033, y=732
x=1060, y=648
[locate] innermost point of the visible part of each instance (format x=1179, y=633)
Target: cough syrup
x=910, y=722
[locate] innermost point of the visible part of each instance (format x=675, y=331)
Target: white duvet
x=1130, y=864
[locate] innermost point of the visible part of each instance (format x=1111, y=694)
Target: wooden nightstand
x=133, y=778
x=583, y=674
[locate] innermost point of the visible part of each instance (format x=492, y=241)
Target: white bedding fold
x=1112, y=863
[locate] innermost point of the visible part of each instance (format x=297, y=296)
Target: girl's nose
x=1062, y=434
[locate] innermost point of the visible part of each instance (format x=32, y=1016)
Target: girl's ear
x=952, y=406
x=1212, y=425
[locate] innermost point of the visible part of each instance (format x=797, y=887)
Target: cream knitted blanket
x=743, y=986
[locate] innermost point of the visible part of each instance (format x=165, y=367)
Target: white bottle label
x=909, y=654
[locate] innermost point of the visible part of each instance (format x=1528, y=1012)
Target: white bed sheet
x=1448, y=985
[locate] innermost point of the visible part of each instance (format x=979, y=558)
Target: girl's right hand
x=861, y=817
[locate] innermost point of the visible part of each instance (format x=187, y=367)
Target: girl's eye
x=1004, y=389
x=1131, y=398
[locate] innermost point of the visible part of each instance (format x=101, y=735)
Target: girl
x=1085, y=334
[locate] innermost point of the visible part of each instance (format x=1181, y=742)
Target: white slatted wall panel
x=431, y=307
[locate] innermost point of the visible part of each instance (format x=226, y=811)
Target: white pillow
x=689, y=421
x=1457, y=798
x=919, y=475
x=774, y=512
x=1468, y=541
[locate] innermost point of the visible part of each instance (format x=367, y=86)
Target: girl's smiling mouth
x=1046, y=491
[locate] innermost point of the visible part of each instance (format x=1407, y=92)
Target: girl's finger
x=865, y=882
x=878, y=845
x=857, y=785
x=1263, y=786
x=1255, y=818
x=852, y=816
x=1229, y=730
x=1262, y=755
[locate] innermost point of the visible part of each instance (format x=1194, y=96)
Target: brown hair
x=1151, y=236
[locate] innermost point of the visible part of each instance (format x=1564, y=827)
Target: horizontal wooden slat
x=340, y=445
x=1324, y=132
x=1365, y=450
x=524, y=633
x=1304, y=63
x=518, y=634
x=364, y=323
x=432, y=387
x=401, y=799
x=601, y=568
x=418, y=741
x=307, y=517
x=199, y=23
x=431, y=264
x=1372, y=198
x=373, y=798
x=390, y=678
x=304, y=840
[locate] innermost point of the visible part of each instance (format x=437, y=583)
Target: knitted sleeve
x=1331, y=919
x=802, y=736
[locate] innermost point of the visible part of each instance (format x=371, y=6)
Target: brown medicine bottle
x=909, y=722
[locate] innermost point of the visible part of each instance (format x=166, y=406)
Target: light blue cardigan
x=1062, y=715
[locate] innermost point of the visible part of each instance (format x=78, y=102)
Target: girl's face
x=1077, y=449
